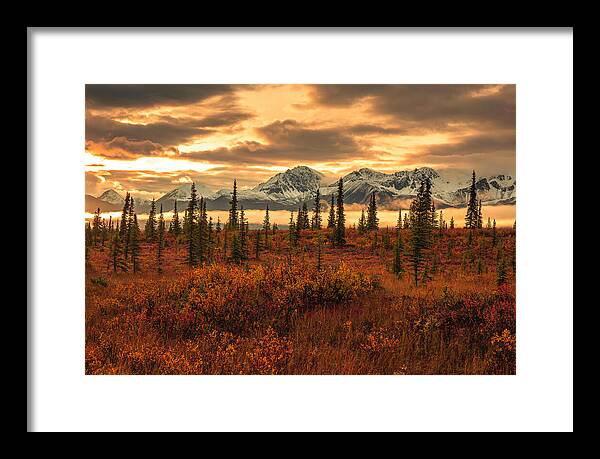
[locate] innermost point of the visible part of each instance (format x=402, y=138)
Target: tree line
x=200, y=236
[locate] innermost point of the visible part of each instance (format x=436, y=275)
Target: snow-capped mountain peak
x=112, y=197
x=294, y=184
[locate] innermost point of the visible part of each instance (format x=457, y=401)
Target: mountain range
x=287, y=190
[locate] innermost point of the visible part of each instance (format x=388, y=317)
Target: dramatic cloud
x=433, y=105
x=477, y=145
x=149, y=138
x=149, y=95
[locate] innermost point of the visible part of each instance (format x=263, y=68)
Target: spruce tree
x=190, y=223
x=130, y=229
x=299, y=224
x=160, y=238
x=202, y=232
x=479, y=216
x=88, y=241
x=117, y=253
x=421, y=227
x=292, y=231
x=362, y=222
x=211, y=241
x=399, y=223
x=407, y=221
x=451, y=222
x=96, y=227
x=150, y=228
x=494, y=234
x=236, y=248
x=501, y=275
x=123, y=229
x=372, y=220
x=175, y=227
x=135, y=244
x=225, y=239
x=266, y=227
x=397, y=268
x=305, y=218
x=233, y=210
x=489, y=224
x=433, y=215
x=340, y=217
x=316, y=218
x=331, y=219
x=243, y=234
x=472, y=209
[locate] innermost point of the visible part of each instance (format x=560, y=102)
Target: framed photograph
x=307, y=230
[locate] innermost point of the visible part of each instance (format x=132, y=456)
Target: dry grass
x=278, y=315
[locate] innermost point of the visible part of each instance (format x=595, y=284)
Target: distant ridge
x=289, y=189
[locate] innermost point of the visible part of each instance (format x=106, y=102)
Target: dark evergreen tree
x=494, y=234
x=362, y=223
x=421, y=227
x=451, y=222
x=397, y=268
x=211, y=240
x=243, y=234
x=316, y=218
x=305, y=217
x=292, y=232
x=150, y=228
x=134, y=244
x=160, y=239
x=175, y=227
x=267, y=227
x=331, y=219
x=236, y=248
x=299, y=224
x=123, y=229
x=202, y=232
x=130, y=229
x=340, y=217
x=88, y=241
x=385, y=239
x=406, y=221
x=233, y=209
x=372, y=220
x=472, y=208
x=117, y=253
x=433, y=216
x=479, y=216
x=190, y=223
x=96, y=227
x=501, y=274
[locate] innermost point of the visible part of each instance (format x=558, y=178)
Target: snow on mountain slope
x=449, y=188
x=292, y=186
x=289, y=189
x=112, y=197
x=182, y=195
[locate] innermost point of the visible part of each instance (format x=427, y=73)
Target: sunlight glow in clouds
x=149, y=138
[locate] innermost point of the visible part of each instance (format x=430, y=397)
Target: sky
x=149, y=139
